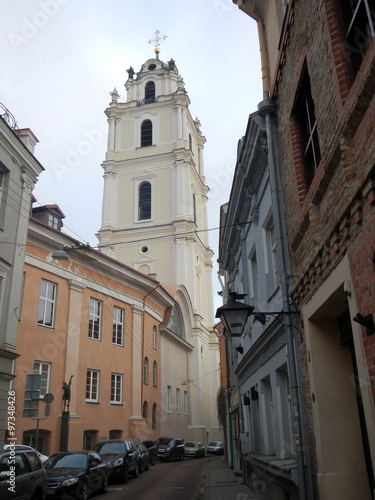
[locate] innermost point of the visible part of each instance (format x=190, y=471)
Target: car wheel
x=105, y=485
x=182, y=457
x=135, y=473
x=147, y=466
x=83, y=492
x=140, y=468
x=125, y=474
x=172, y=457
x=37, y=495
x=153, y=462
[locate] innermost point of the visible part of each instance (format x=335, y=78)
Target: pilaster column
x=137, y=365
x=73, y=338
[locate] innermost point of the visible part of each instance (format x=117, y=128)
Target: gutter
x=262, y=46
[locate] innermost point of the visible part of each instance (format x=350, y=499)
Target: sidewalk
x=220, y=483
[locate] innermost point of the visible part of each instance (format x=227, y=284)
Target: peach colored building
x=99, y=321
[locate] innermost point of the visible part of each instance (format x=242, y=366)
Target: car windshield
x=191, y=445
x=71, y=461
x=215, y=443
x=110, y=448
x=165, y=440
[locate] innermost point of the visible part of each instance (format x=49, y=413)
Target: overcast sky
x=61, y=58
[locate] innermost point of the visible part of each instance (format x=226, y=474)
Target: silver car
x=216, y=448
x=22, y=475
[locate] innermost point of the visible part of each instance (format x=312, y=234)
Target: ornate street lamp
x=234, y=314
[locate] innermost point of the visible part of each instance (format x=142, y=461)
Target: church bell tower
x=154, y=215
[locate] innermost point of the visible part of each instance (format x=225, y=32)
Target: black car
x=121, y=457
x=152, y=449
x=76, y=474
x=143, y=456
x=170, y=449
x=22, y=475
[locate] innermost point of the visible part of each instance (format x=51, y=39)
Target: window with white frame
x=47, y=303
x=154, y=374
x=116, y=388
x=169, y=399
x=92, y=386
x=155, y=338
x=53, y=221
x=95, y=319
x=44, y=369
x=178, y=402
x=145, y=370
x=144, y=201
x=118, y=326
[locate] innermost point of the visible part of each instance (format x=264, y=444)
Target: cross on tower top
x=156, y=40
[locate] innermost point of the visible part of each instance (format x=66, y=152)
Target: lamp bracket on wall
x=366, y=321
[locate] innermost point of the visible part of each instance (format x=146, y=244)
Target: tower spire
x=156, y=40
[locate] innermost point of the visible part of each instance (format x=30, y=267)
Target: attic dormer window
x=53, y=221
x=149, y=92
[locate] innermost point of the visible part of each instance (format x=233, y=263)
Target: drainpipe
x=262, y=46
x=267, y=109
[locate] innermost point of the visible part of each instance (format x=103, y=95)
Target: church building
x=154, y=219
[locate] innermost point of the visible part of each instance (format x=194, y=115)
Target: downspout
x=267, y=109
x=262, y=46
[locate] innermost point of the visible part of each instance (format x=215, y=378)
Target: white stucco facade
x=154, y=211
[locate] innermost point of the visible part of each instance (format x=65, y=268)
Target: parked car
x=152, y=449
x=170, y=449
x=22, y=475
x=120, y=456
x=216, y=448
x=76, y=474
x=43, y=458
x=143, y=456
x=194, y=449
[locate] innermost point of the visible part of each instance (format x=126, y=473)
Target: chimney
x=27, y=137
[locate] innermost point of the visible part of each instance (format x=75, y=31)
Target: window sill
x=113, y=403
x=92, y=402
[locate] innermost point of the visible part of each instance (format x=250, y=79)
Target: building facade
x=19, y=171
x=154, y=211
x=320, y=77
x=263, y=366
x=100, y=327
x=327, y=170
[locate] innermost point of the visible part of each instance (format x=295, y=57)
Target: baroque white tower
x=154, y=215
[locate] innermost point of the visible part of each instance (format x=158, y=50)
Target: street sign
x=48, y=398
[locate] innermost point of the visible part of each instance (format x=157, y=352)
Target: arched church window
x=176, y=323
x=144, y=201
x=145, y=371
x=145, y=410
x=146, y=133
x=154, y=374
x=149, y=92
x=154, y=416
